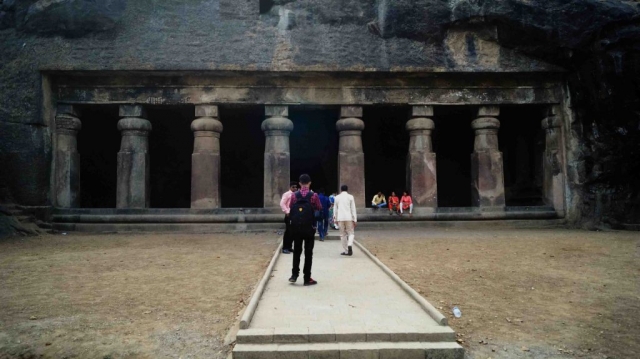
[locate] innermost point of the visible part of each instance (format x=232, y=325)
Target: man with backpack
x=302, y=206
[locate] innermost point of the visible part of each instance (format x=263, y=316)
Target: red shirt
x=315, y=201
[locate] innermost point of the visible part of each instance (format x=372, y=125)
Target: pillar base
x=422, y=179
x=553, y=183
x=133, y=180
x=487, y=179
x=351, y=173
x=276, y=177
x=205, y=177
x=67, y=179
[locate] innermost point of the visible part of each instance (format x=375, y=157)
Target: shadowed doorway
x=314, y=145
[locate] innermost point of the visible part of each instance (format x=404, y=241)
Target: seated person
x=406, y=203
x=379, y=201
x=393, y=203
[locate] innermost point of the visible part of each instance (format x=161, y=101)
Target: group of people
x=395, y=205
x=305, y=212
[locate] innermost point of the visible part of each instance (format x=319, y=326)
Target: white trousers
x=346, y=234
x=410, y=208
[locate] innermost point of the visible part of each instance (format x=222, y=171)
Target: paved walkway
x=352, y=295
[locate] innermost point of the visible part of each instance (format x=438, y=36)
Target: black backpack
x=301, y=213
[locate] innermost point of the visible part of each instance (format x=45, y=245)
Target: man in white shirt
x=344, y=212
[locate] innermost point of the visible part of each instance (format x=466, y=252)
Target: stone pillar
x=133, y=158
x=487, y=175
x=421, y=161
x=67, y=175
x=277, y=155
x=552, y=163
x=350, y=154
x=205, y=160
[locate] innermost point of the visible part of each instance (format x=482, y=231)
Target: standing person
x=323, y=221
x=287, y=241
x=302, y=205
x=345, y=213
x=406, y=203
x=393, y=203
x=379, y=201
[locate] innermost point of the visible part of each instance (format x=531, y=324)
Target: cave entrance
x=98, y=145
x=385, y=143
x=241, y=156
x=314, y=146
x=521, y=141
x=453, y=145
x=170, y=149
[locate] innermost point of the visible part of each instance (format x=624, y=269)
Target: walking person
x=323, y=221
x=302, y=205
x=345, y=213
x=287, y=240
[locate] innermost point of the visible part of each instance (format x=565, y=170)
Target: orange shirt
x=393, y=201
x=406, y=201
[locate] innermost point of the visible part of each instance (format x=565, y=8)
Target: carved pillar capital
x=206, y=123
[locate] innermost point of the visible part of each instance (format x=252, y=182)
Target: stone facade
x=118, y=42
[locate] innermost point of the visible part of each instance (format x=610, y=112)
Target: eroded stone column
x=133, y=158
x=421, y=161
x=350, y=154
x=205, y=160
x=487, y=175
x=67, y=176
x=552, y=163
x=277, y=155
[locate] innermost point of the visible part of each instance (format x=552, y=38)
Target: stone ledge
x=349, y=350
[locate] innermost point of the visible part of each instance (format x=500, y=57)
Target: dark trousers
x=287, y=240
x=306, y=236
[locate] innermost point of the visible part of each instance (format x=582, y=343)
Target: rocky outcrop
x=72, y=18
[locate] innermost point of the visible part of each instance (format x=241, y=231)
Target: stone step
x=378, y=350
x=347, y=334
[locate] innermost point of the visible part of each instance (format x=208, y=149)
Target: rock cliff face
x=596, y=41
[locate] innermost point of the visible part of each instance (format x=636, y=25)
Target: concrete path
x=355, y=308
x=351, y=291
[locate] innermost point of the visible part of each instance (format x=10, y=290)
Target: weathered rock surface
x=71, y=18
x=595, y=41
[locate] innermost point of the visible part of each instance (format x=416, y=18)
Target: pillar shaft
x=67, y=167
x=350, y=154
x=487, y=174
x=205, y=160
x=277, y=155
x=133, y=158
x=552, y=164
x=421, y=161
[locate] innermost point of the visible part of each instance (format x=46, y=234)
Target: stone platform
x=261, y=219
x=356, y=311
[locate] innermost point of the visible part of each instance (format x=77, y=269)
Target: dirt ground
x=126, y=296
x=522, y=293
x=525, y=293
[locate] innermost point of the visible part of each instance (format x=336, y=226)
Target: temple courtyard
x=523, y=293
